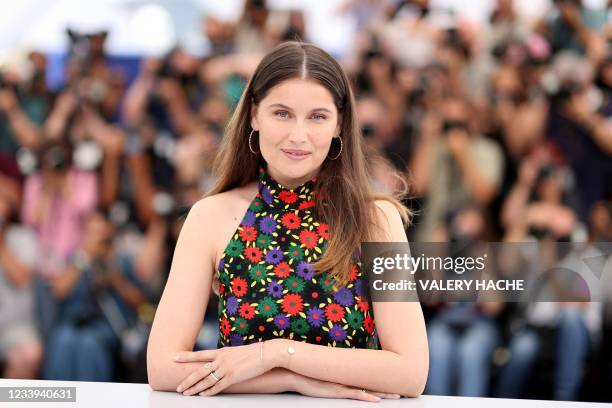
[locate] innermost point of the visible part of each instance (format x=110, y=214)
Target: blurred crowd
x=503, y=129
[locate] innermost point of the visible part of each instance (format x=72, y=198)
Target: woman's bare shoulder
x=228, y=201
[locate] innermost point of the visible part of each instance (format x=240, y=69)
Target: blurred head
x=600, y=221
x=507, y=83
x=99, y=232
x=455, y=115
x=257, y=11
x=549, y=184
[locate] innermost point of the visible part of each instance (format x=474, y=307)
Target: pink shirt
x=61, y=228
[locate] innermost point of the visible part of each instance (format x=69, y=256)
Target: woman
x=287, y=204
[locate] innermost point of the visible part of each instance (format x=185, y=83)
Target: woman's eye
x=319, y=116
x=281, y=112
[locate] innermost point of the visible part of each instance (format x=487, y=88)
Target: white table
x=98, y=394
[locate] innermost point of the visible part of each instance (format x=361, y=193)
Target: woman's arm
x=280, y=380
x=183, y=303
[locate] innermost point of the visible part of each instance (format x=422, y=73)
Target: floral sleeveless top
x=267, y=286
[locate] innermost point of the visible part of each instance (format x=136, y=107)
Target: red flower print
x=291, y=220
x=306, y=204
x=282, y=270
x=363, y=305
x=334, y=312
x=225, y=326
x=368, y=323
x=309, y=238
x=292, y=304
x=247, y=311
x=221, y=289
x=239, y=287
x=248, y=234
x=323, y=230
x=288, y=196
x=353, y=275
x=253, y=254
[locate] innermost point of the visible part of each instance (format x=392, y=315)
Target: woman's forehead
x=300, y=95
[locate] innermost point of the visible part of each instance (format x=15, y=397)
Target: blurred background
x=111, y=112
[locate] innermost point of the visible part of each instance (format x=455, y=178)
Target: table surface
x=99, y=394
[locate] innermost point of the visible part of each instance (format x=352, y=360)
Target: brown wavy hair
x=344, y=182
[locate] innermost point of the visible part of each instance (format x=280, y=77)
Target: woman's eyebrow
x=280, y=105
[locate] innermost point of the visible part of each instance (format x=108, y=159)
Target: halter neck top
x=267, y=286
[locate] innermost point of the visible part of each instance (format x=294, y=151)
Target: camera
x=55, y=158
x=566, y=91
x=449, y=125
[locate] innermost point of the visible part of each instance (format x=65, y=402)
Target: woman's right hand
x=323, y=389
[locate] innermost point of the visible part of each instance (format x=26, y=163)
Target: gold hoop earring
x=338, y=155
x=250, y=148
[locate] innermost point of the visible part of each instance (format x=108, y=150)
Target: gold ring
x=214, y=376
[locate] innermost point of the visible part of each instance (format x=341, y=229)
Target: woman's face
x=296, y=122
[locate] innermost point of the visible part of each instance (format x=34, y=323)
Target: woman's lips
x=295, y=154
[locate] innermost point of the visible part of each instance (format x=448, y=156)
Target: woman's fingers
x=191, y=356
x=195, y=376
x=361, y=395
x=219, y=386
x=385, y=395
x=200, y=386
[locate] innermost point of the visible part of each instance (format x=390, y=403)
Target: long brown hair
x=344, y=182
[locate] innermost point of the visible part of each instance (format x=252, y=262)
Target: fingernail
x=177, y=358
x=179, y=389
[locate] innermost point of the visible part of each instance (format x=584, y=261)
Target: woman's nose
x=299, y=133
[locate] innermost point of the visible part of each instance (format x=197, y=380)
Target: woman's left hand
x=230, y=365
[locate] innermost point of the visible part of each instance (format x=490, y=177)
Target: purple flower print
x=274, y=256
x=249, y=219
x=315, y=316
x=275, y=289
x=266, y=195
x=232, y=305
x=267, y=224
x=281, y=321
x=337, y=333
x=344, y=297
x=305, y=270
x=236, y=340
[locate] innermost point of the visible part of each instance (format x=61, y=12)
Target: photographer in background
x=56, y=200
x=25, y=103
x=453, y=167
x=20, y=343
x=92, y=294
x=580, y=124
x=572, y=26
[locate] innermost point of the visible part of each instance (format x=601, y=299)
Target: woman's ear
x=254, y=123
